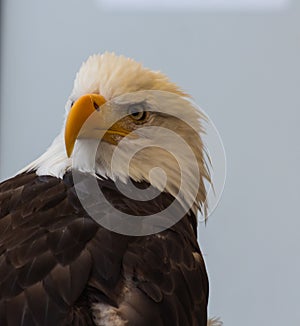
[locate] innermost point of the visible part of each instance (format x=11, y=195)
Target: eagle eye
x=137, y=112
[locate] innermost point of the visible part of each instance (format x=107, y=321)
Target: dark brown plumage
x=56, y=262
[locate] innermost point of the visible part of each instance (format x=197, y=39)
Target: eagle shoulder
x=59, y=267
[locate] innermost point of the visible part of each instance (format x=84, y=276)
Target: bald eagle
x=68, y=261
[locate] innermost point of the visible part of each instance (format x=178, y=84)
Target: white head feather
x=113, y=77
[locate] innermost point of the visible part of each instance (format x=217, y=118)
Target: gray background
x=242, y=68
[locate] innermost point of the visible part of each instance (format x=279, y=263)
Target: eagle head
x=123, y=122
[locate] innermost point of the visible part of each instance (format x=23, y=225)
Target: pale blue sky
x=242, y=68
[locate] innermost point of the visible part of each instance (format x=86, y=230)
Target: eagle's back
x=59, y=267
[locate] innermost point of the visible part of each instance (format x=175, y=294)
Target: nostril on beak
x=96, y=106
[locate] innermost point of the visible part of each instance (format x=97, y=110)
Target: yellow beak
x=82, y=109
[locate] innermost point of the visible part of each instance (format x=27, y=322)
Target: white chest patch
x=104, y=315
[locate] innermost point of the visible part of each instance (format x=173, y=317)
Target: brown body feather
x=59, y=267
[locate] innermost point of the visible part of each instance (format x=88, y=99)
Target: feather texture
x=59, y=267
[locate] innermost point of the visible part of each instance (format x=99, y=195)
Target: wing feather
x=59, y=267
